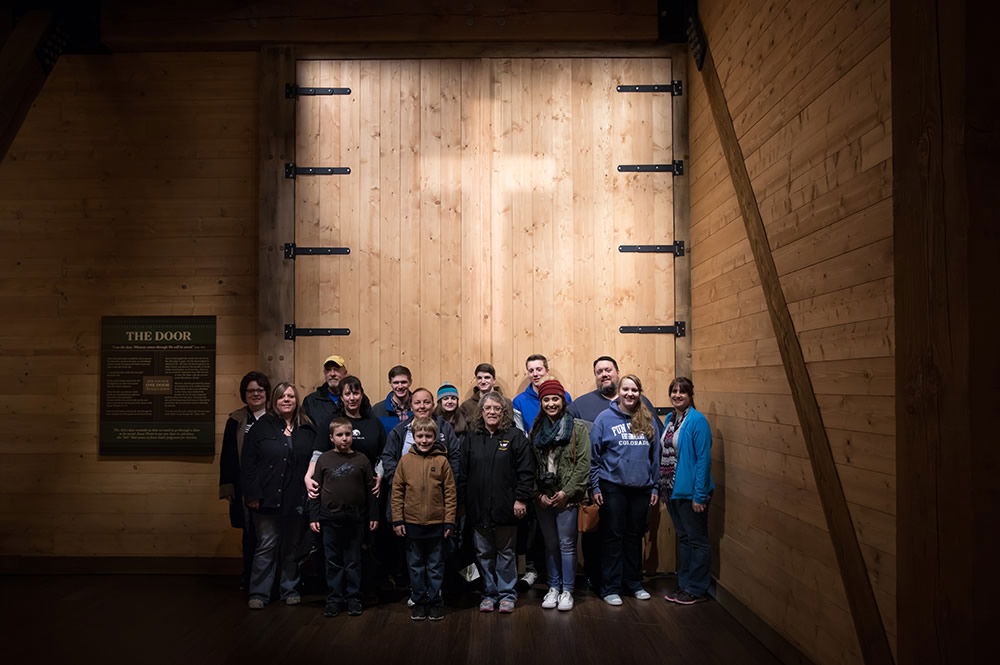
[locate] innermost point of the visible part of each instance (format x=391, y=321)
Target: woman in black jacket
x=499, y=473
x=254, y=391
x=275, y=456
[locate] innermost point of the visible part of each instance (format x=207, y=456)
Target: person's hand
x=228, y=498
x=654, y=499
x=559, y=500
x=697, y=507
x=598, y=498
x=314, y=526
x=544, y=500
x=312, y=488
x=378, y=485
x=447, y=533
x=253, y=504
x=399, y=530
x=520, y=509
x=373, y=525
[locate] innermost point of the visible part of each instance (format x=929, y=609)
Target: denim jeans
x=342, y=548
x=559, y=528
x=425, y=560
x=623, y=519
x=497, y=561
x=278, y=553
x=694, y=557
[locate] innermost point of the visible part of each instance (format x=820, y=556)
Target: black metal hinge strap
x=679, y=329
x=292, y=250
x=292, y=170
x=677, y=248
x=675, y=88
x=676, y=167
x=291, y=332
x=292, y=91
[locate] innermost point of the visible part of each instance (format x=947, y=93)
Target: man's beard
x=609, y=390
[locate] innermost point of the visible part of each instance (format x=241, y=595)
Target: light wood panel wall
x=808, y=86
x=128, y=191
x=484, y=213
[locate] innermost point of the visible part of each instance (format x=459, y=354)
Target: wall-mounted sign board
x=157, y=385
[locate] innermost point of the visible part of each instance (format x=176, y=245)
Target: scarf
x=668, y=452
x=556, y=433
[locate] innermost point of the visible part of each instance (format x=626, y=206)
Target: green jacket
x=572, y=463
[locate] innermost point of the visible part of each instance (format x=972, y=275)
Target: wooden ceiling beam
x=22, y=73
x=221, y=24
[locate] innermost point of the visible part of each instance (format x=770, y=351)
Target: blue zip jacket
x=527, y=405
x=620, y=457
x=387, y=414
x=693, y=475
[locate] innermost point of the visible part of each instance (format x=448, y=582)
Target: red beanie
x=551, y=387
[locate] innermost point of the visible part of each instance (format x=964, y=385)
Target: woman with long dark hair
x=275, y=456
x=624, y=477
x=562, y=463
x=686, y=478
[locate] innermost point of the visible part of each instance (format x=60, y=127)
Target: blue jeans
x=278, y=553
x=342, y=548
x=694, y=557
x=559, y=528
x=623, y=519
x=425, y=560
x=497, y=561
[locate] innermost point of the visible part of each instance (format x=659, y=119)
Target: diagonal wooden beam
x=22, y=73
x=860, y=597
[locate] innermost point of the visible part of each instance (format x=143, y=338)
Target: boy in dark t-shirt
x=344, y=509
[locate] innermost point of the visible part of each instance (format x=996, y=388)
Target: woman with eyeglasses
x=254, y=390
x=499, y=472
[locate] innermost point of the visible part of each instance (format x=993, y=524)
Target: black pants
x=342, y=547
x=623, y=520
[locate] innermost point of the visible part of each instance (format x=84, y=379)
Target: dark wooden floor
x=189, y=620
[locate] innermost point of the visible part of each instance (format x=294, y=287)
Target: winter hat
x=447, y=389
x=551, y=387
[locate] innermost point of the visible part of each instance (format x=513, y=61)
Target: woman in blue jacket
x=686, y=477
x=624, y=477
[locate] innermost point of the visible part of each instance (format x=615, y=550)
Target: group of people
x=419, y=474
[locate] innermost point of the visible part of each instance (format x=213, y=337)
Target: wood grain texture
x=130, y=204
x=276, y=222
x=820, y=169
x=945, y=200
x=489, y=248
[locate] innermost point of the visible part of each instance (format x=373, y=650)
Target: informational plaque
x=158, y=385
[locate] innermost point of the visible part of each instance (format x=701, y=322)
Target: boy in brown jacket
x=423, y=510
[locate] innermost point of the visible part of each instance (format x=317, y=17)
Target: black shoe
x=418, y=612
x=332, y=609
x=434, y=613
x=685, y=598
x=354, y=607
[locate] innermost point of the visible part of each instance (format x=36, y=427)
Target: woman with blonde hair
x=624, y=477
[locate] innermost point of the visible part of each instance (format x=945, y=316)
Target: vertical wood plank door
x=483, y=213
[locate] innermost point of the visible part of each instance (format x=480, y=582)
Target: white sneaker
x=613, y=599
x=641, y=594
x=529, y=578
x=551, y=599
x=566, y=601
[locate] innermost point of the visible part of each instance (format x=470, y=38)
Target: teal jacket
x=693, y=476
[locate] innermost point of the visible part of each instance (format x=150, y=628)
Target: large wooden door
x=483, y=212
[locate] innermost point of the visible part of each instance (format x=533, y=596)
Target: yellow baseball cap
x=336, y=360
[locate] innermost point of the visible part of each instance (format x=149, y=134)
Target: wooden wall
x=483, y=212
x=808, y=86
x=130, y=190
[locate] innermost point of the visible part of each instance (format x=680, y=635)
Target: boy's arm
x=398, y=494
x=450, y=497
